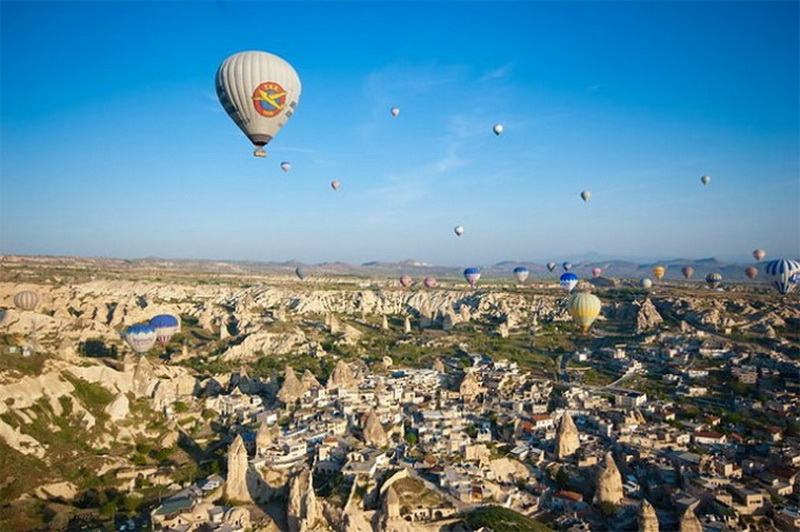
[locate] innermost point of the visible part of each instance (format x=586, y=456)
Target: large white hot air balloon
x=260, y=92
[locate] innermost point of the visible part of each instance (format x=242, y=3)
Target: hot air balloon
x=335, y=185
x=585, y=195
x=430, y=282
x=687, y=271
x=140, y=337
x=458, y=230
x=567, y=266
x=713, y=279
x=260, y=92
x=759, y=254
x=645, y=283
x=596, y=272
x=286, y=166
x=705, y=179
x=165, y=325
x=395, y=111
x=782, y=274
x=405, y=281
x=568, y=281
x=472, y=275
x=659, y=271
x=551, y=266
x=498, y=128
x=301, y=273
x=26, y=300
x=584, y=307
x=751, y=272
x=521, y=273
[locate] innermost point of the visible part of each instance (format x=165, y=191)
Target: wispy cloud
x=499, y=73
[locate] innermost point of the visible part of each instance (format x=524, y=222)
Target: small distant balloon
x=585, y=195
x=751, y=272
x=472, y=275
x=567, y=266
x=301, y=273
x=140, y=338
x=782, y=274
x=713, y=279
x=458, y=230
x=659, y=271
x=286, y=166
x=551, y=266
x=584, y=307
x=26, y=300
x=759, y=254
x=705, y=179
x=335, y=185
x=596, y=272
x=645, y=283
x=568, y=281
x=395, y=111
x=521, y=273
x=405, y=281
x=165, y=325
x=687, y=271
x=430, y=282
x=498, y=128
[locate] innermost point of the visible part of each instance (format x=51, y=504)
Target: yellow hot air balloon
x=659, y=271
x=584, y=307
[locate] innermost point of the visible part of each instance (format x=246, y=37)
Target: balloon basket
x=260, y=152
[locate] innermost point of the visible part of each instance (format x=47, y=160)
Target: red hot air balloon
x=597, y=271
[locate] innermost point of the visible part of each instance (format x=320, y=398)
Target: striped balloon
x=26, y=300
x=472, y=275
x=584, y=307
x=521, y=273
x=713, y=279
x=140, y=337
x=782, y=274
x=568, y=281
x=165, y=325
x=430, y=282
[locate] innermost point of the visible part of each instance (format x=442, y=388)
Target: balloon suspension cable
x=260, y=152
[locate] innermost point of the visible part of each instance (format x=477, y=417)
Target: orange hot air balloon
x=659, y=271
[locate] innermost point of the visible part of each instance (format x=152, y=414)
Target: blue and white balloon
x=782, y=274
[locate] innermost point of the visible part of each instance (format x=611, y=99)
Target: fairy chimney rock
x=567, y=441
x=373, y=431
x=609, y=482
x=236, y=484
x=648, y=520
x=292, y=389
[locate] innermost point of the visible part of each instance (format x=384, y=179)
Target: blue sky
x=114, y=144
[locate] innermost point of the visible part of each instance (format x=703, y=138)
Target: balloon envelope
x=140, y=337
x=405, y=281
x=584, y=307
x=165, y=325
x=568, y=281
x=396, y=111
x=260, y=92
x=521, y=273
x=551, y=266
x=687, y=271
x=585, y=195
x=498, y=128
x=644, y=282
x=659, y=271
x=782, y=274
x=286, y=166
x=458, y=230
x=26, y=300
x=713, y=279
x=597, y=271
x=751, y=272
x=430, y=282
x=759, y=254
x=705, y=179
x=301, y=272
x=335, y=185
x=567, y=266
x=472, y=275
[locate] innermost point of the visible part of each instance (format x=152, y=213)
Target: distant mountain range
x=415, y=268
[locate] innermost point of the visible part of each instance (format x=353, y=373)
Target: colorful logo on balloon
x=269, y=99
